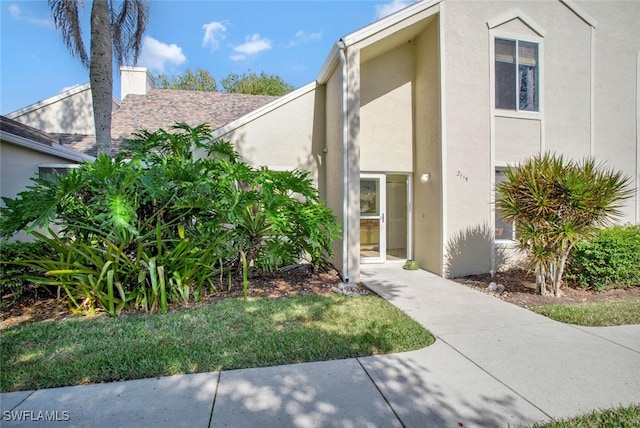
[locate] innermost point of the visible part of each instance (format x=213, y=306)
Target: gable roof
x=162, y=108
x=13, y=127
x=25, y=136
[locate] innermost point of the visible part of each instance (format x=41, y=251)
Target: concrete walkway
x=493, y=364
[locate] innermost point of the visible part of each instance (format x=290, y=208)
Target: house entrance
x=384, y=217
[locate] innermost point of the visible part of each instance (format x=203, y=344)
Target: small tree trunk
x=560, y=271
x=541, y=279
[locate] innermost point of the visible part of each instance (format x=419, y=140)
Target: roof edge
x=329, y=65
x=580, y=13
x=54, y=150
x=59, y=96
x=369, y=30
x=253, y=115
x=48, y=101
x=388, y=21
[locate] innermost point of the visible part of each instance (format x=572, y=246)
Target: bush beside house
x=156, y=225
x=611, y=258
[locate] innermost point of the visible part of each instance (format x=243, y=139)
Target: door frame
x=382, y=216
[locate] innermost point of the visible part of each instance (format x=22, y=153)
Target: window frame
x=48, y=168
x=496, y=33
x=517, y=81
x=501, y=242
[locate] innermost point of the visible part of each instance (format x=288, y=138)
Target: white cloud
x=16, y=13
x=387, y=9
x=155, y=55
x=253, y=45
x=306, y=38
x=14, y=10
x=302, y=37
x=213, y=34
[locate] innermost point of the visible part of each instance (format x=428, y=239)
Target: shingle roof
x=21, y=130
x=30, y=138
x=80, y=142
x=162, y=108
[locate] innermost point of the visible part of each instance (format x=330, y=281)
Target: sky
x=290, y=39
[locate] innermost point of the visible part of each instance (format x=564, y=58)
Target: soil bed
x=520, y=289
x=33, y=308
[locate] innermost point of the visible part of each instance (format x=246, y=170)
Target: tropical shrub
x=12, y=276
x=157, y=225
x=610, y=258
x=555, y=204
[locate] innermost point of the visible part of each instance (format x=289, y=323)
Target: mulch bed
x=520, y=289
x=519, y=285
x=301, y=282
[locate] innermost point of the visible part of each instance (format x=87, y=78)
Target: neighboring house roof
x=162, y=108
x=80, y=142
x=52, y=100
x=17, y=133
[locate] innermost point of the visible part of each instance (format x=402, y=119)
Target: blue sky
x=288, y=38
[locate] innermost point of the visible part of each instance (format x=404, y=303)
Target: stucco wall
x=386, y=111
x=289, y=137
x=567, y=81
x=67, y=115
x=334, y=156
x=467, y=123
x=516, y=139
x=17, y=167
x=478, y=137
x=616, y=97
x=427, y=197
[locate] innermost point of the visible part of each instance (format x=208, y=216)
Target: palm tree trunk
x=101, y=74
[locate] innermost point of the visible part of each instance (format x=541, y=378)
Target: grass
x=231, y=334
x=594, y=314
x=622, y=417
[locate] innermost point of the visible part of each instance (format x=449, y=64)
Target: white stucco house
x=411, y=119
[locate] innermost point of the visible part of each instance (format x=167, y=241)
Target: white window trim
x=500, y=243
x=59, y=165
x=496, y=33
x=516, y=14
x=518, y=114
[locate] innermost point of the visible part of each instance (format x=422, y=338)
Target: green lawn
x=594, y=314
x=231, y=334
x=623, y=417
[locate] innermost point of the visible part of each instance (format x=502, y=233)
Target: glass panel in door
x=372, y=214
x=397, y=208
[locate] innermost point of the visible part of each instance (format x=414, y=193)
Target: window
x=516, y=71
x=504, y=230
x=60, y=169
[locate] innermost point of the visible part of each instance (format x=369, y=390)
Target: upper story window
x=517, y=75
